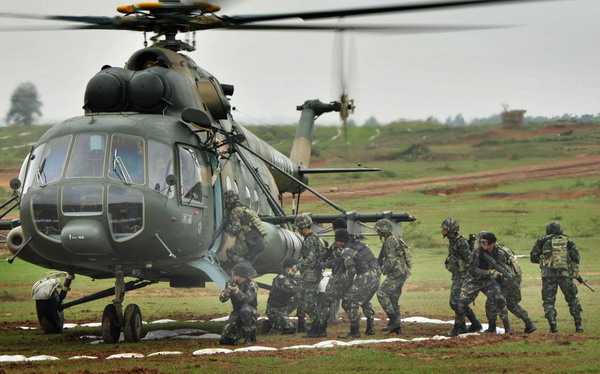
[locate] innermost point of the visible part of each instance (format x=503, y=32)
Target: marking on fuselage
x=186, y=218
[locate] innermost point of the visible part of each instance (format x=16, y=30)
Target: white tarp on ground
x=201, y=334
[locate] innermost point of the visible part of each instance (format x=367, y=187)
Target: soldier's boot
x=312, y=330
x=396, y=328
x=475, y=324
x=491, y=328
x=321, y=331
x=249, y=338
x=267, y=325
x=529, y=325
x=391, y=322
x=370, y=330
x=354, y=331
x=301, y=324
x=578, y=327
x=288, y=331
x=506, y=323
x=459, y=328
x=553, y=327
x=226, y=341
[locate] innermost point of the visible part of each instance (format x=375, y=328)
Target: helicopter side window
x=52, y=163
x=125, y=212
x=87, y=158
x=190, y=176
x=160, y=165
x=45, y=212
x=127, y=159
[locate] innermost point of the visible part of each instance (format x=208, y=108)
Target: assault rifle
x=584, y=282
x=499, y=268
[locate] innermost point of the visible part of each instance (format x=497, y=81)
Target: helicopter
x=134, y=187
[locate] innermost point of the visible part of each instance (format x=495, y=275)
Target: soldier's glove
x=233, y=288
x=493, y=273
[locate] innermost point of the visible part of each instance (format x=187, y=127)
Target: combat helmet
x=342, y=235
x=451, y=225
x=244, y=270
x=289, y=262
x=554, y=228
x=384, y=225
x=231, y=197
x=303, y=221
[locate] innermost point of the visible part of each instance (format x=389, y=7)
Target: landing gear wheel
x=51, y=319
x=133, y=324
x=111, y=330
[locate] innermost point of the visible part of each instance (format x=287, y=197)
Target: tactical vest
x=237, y=305
x=511, y=261
x=251, y=220
x=556, y=253
x=364, y=259
x=279, y=298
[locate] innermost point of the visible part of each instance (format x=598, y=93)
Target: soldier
x=559, y=260
x=242, y=291
x=244, y=224
x=456, y=263
x=360, y=261
x=483, y=279
x=311, y=253
x=283, y=299
x=510, y=291
x=340, y=280
x=395, y=262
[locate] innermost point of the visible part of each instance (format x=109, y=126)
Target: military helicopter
x=133, y=188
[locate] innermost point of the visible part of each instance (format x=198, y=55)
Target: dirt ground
x=584, y=166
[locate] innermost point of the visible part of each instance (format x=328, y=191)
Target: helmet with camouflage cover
x=231, y=197
x=244, y=270
x=451, y=225
x=303, y=221
x=554, y=228
x=384, y=225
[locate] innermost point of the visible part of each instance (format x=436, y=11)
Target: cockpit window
x=82, y=199
x=50, y=166
x=160, y=165
x=87, y=158
x=127, y=159
x=45, y=212
x=190, y=176
x=125, y=212
x=34, y=165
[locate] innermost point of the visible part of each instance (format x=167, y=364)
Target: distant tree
x=25, y=106
x=432, y=119
x=372, y=121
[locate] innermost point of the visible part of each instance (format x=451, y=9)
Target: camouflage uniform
x=242, y=321
x=339, y=283
x=283, y=300
x=360, y=260
x=559, y=262
x=482, y=280
x=395, y=261
x=511, y=292
x=459, y=253
x=310, y=269
x=244, y=224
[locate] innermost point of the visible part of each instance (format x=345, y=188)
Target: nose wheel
x=114, y=320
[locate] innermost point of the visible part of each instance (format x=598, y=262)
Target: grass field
x=517, y=212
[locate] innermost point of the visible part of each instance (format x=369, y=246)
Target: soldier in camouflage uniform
x=459, y=253
x=395, y=262
x=510, y=291
x=361, y=265
x=244, y=224
x=559, y=260
x=283, y=299
x=313, y=249
x=483, y=279
x=242, y=292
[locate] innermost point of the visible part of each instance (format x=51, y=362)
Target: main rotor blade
x=83, y=19
x=241, y=19
x=407, y=29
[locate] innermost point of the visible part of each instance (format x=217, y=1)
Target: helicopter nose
x=85, y=237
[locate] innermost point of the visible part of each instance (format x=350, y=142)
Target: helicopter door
x=195, y=191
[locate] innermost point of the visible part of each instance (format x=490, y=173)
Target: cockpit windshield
x=127, y=159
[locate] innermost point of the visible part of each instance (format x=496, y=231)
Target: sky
x=547, y=64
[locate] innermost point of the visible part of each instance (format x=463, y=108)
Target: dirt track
x=582, y=167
